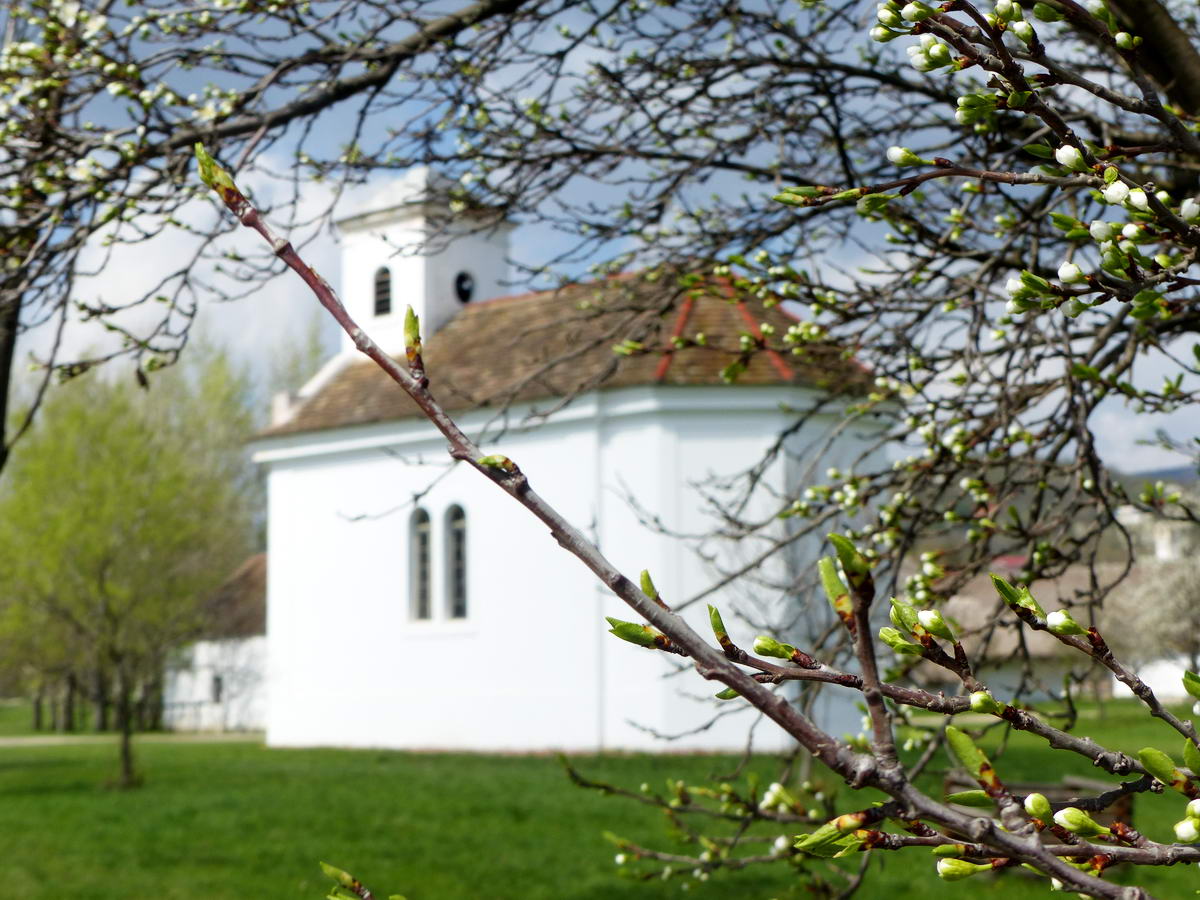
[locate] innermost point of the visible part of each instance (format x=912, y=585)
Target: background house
x=219, y=683
x=412, y=605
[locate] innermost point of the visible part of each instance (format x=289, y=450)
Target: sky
x=280, y=313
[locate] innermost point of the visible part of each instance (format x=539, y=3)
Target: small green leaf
x=648, y=587
x=1041, y=151
x=1191, y=757
x=1191, y=684
x=964, y=750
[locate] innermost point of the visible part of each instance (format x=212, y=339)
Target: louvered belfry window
x=383, y=291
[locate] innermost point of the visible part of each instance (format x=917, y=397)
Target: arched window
x=383, y=291
x=418, y=565
x=456, y=562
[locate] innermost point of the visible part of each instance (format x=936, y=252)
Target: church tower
x=402, y=246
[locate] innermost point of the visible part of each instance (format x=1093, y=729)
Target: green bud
x=896, y=641
x=1161, y=767
x=412, y=331
x=1047, y=13
x=727, y=694
x=1060, y=622
x=764, y=645
x=497, y=461
x=949, y=850
x=871, y=204
x=211, y=173
x=345, y=879
x=1017, y=598
x=983, y=702
x=718, y=626
x=963, y=749
x=1039, y=807
x=1078, y=822
x=977, y=799
x=951, y=869
x=835, y=589
x=642, y=635
x=648, y=587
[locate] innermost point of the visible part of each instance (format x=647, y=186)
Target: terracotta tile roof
x=557, y=344
x=238, y=608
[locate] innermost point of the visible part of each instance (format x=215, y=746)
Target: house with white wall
x=411, y=604
x=219, y=683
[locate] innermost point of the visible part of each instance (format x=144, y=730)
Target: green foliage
x=123, y=509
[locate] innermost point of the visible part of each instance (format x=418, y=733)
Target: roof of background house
x=238, y=608
x=560, y=343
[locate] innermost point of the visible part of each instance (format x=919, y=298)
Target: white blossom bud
x=1069, y=156
x=1116, y=192
x=1101, y=231
x=902, y=156
x=1193, y=809
x=1189, y=210
x=1070, y=273
x=1137, y=199
x=1187, y=832
x=1023, y=30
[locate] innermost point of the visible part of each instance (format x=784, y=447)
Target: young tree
x=126, y=509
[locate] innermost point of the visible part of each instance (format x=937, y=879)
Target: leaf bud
x=642, y=635
x=896, y=641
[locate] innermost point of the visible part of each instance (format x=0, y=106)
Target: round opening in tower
x=464, y=287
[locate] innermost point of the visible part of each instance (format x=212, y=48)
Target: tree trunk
x=99, y=700
x=38, y=711
x=68, y=723
x=128, y=777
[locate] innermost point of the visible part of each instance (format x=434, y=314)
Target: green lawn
x=237, y=821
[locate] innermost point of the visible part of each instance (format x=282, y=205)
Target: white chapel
x=411, y=604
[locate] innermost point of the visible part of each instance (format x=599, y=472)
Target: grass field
x=239, y=821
